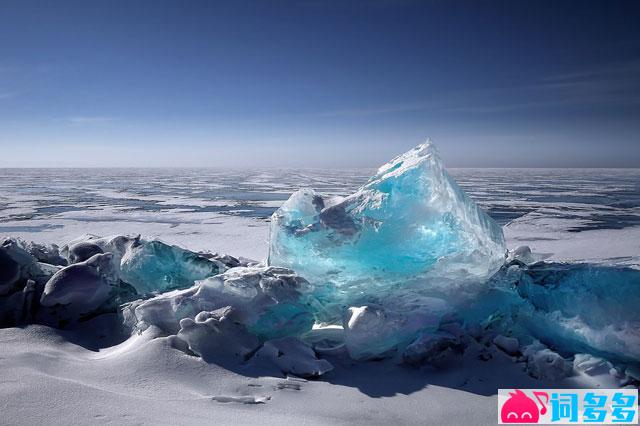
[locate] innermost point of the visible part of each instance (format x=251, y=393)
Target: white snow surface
x=47, y=379
x=549, y=237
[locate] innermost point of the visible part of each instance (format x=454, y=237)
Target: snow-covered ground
x=550, y=237
x=49, y=376
x=47, y=380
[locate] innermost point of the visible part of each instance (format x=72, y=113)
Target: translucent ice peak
x=409, y=221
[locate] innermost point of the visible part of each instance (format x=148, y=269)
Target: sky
x=318, y=83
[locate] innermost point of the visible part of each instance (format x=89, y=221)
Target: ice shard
x=410, y=221
x=148, y=265
x=269, y=302
x=154, y=266
x=583, y=308
x=17, y=266
x=218, y=337
x=371, y=331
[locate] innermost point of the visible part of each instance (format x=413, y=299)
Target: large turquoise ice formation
x=391, y=260
x=409, y=222
x=410, y=218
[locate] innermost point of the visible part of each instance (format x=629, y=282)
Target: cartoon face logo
x=519, y=408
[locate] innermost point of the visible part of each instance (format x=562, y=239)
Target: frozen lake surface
x=228, y=210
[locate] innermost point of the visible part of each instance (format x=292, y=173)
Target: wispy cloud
x=378, y=110
x=83, y=119
x=6, y=95
x=628, y=70
x=613, y=86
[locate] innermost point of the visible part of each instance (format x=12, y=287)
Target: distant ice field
x=573, y=214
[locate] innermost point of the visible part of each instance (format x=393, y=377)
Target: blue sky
x=319, y=83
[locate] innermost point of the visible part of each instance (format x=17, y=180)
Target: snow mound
x=292, y=356
x=219, y=337
x=85, y=285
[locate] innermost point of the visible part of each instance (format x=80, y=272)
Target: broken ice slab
x=372, y=332
x=584, y=308
x=147, y=265
x=17, y=266
x=83, y=286
x=153, y=266
x=218, y=337
x=269, y=302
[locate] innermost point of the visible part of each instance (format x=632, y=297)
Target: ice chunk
x=82, y=251
x=81, y=287
x=148, y=266
x=270, y=302
x=20, y=307
x=543, y=363
x=46, y=254
x=410, y=220
x=225, y=259
x=522, y=255
x=429, y=348
x=591, y=365
x=372, y=332
x=325, y=339
x=10, y=272
x=154, y=266
x=292, y=356
x=508, y=344
x=17, y=266
x=583, y=308
x=217, y=337
x=117, y=245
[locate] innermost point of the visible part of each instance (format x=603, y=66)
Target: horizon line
x=306, y=168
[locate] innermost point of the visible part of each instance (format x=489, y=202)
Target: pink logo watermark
x=519, y=408
x=568, y=406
